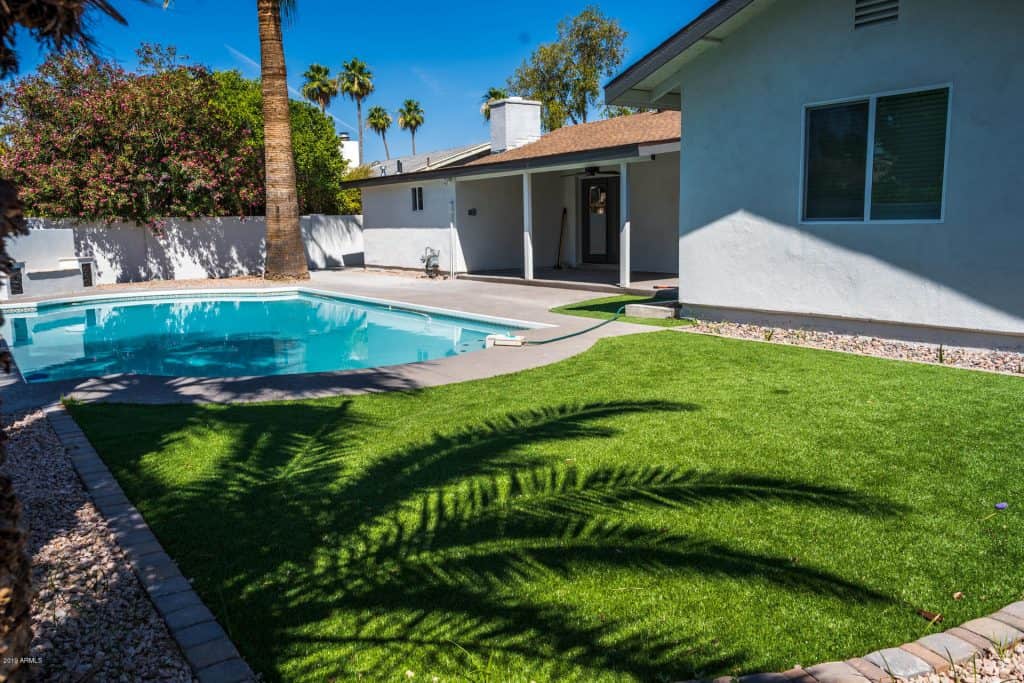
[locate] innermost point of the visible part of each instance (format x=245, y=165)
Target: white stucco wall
x=654, y=198
x=493, y=238
x=395, y=236
x=741, y=242
x=208, y=247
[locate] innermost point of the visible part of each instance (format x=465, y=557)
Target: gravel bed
x=992, y=668
x=1008, y=362
x=91, y=619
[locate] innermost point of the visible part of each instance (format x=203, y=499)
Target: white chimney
x=514, y=123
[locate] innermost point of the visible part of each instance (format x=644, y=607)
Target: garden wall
x=180, y=249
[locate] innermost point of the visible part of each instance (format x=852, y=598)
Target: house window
x=902, y=140
x=417, y=199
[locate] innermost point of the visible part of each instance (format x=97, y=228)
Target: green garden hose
x=618, y=314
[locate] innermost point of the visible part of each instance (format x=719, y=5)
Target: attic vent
x=870, y=12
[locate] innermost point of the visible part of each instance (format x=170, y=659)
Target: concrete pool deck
x=482, y=298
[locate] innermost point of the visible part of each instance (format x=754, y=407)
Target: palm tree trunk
x=15, y=572
x=384, y=139
x=359, y=122
x=15, y=589
x=414, y=143
x=286, y=257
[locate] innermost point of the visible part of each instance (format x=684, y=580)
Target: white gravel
x=91, y=619
x=993, y=668
x=1008, y=362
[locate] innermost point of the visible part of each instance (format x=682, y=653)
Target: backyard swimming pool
x=230, y=334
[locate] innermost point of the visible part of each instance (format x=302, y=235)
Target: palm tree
x=356, y=81
x=319, y=87
x=286, y=257
x=410, y=118
x=379, y=120
x=492, y=95
x=56, y=25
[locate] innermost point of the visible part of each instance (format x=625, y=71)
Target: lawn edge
x=204, y=643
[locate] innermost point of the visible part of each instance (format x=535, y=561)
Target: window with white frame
x=880, y=158
x=417, y=199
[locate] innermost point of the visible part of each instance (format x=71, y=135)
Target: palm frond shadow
x=423, y=550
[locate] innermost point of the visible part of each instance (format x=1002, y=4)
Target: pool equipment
x=431, y=262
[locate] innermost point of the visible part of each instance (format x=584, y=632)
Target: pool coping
x=202, y=640
x=254, y=292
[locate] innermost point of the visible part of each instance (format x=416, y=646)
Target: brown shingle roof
x=644, y=128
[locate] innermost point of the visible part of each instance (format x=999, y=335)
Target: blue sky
x=445, y=55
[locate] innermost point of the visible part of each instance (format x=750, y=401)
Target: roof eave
x=530, y=164
x=622, y=89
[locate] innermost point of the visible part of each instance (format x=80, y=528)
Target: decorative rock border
x=934, y=653
x=205, y=644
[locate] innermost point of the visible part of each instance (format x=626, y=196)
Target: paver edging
x=930, y=654
x=195, y=630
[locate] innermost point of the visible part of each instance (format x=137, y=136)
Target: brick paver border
x=934, y=653
x=214, y=658
x=205, y=644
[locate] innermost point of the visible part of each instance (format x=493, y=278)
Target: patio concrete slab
x=514, y=301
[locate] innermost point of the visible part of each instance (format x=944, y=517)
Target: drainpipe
x=451, y=229
x=625, y=226
x=527, y=227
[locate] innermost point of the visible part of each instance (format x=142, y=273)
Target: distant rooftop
x=430, y=160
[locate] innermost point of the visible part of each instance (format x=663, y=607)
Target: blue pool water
x=229, y=336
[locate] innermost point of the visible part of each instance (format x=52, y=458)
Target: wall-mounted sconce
x=472, y=212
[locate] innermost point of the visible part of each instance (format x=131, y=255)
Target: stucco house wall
x=654, y=200
x=741, y=241
x=396, y=236
x=493, y=238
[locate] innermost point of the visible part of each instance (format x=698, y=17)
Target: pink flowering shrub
x=88, y=140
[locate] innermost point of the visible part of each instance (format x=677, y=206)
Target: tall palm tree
x=410, y=118
x=356, y=81
x=56, y=25
x=319, y=87
x=286, y=257
x=492, y=95
x=379, y=120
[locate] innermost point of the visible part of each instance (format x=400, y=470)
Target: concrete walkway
x=495, y=299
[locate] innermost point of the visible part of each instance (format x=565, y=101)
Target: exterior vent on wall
x=87, y=274
x=17, y=282
x=870, y=12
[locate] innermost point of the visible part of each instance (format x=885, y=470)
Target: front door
x=600, y=220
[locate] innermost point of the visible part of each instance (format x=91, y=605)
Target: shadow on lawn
x=428, y=553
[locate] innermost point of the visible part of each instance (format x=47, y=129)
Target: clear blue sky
x=445, y=55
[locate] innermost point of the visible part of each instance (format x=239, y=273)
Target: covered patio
x=602, y=224
x=593, y=206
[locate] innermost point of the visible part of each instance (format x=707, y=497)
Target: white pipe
x=624, y=226
x=527, y=227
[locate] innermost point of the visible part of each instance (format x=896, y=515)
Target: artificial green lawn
x=606, y=307
x=663, y=506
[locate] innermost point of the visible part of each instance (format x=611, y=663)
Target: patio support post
x=624, y=225
x=527, y=227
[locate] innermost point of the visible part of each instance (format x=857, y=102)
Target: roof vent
x=870, y=12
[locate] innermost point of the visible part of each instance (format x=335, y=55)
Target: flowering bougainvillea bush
x=88, y=140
